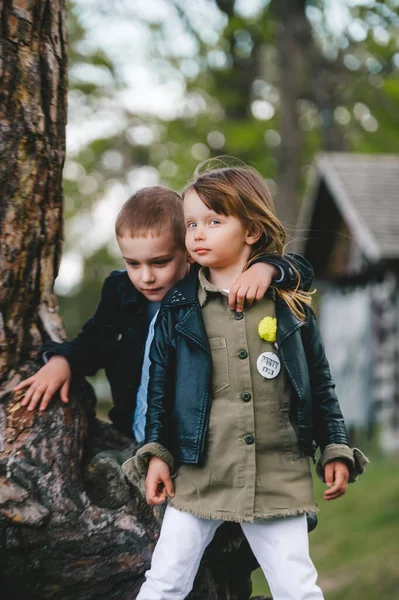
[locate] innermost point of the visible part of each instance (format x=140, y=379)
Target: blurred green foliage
x=230, y=105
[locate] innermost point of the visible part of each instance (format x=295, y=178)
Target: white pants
x=280, y=546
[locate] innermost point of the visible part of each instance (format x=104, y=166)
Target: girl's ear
x=253, y=235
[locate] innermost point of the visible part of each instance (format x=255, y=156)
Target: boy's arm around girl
x=97, y=345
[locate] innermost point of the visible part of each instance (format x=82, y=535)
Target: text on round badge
x=268, y=365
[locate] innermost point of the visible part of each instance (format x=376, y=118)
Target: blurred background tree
x=158, y=86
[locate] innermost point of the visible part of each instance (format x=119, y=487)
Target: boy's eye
x=214, y=222
x=161, y=263
x=132, y=264
x=190, y=225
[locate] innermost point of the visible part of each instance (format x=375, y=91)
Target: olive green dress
x=253, y=467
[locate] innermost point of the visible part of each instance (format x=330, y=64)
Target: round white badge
x=268, y=365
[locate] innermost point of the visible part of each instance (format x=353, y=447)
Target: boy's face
x=154, y=263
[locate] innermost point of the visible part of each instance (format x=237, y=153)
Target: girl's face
x=213, y=240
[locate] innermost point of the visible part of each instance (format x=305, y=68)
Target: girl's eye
x=132, y=264
x=190, y=225
x=214, y=222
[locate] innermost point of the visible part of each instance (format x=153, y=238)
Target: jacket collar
x=205, y=287
x=185, y=291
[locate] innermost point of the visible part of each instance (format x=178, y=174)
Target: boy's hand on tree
x=54, y=376
x=336, y=476
x=158, y=483
x=251, y=285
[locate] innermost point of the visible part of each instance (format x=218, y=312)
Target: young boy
x=150, y=231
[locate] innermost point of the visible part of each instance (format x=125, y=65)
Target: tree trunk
x=245, y=68
x=304, y=73
x=291, y=19
x=65, y=531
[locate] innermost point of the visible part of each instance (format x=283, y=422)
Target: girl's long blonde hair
x=241, y=192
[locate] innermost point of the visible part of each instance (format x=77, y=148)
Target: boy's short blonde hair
x=152, y=210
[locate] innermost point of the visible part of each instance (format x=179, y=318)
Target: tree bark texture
x=32, y=121
x=70, y=525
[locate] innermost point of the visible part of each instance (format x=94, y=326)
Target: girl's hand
x=251, y=285
x=158, y=483
x=336, y=476
x=54, y=376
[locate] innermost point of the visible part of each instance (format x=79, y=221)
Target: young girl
x=238, y=402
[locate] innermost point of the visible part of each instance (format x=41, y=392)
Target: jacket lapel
x=191, y=325
x=189, y=320
x=292, y=354
x=287, y=322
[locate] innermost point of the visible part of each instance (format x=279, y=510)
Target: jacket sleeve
x=328, y=422
x=94, y=345
x=355, y=460
x=289, y=274
x=161, y=384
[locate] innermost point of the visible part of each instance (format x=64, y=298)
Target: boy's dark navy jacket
x=114, y=337
x=179, y=394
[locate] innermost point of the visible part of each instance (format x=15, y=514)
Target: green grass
x=355, y=547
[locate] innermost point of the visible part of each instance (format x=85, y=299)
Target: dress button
x=238, y=316
x=242, y=354
x=249, y=439
x=246, y=396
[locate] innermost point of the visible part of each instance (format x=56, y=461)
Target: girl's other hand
x=158, y=483
x=251, y=285
x=54, y=376
x=336, y=476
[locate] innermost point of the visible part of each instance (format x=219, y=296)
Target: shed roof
x=365, y=189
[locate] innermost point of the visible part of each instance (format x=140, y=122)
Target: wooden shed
x=349, y=230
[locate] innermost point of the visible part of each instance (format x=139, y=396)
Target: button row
x=248, y=439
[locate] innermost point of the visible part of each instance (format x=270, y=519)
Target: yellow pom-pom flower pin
x=267, y=329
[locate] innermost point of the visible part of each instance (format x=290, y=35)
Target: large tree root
x=69, y=531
